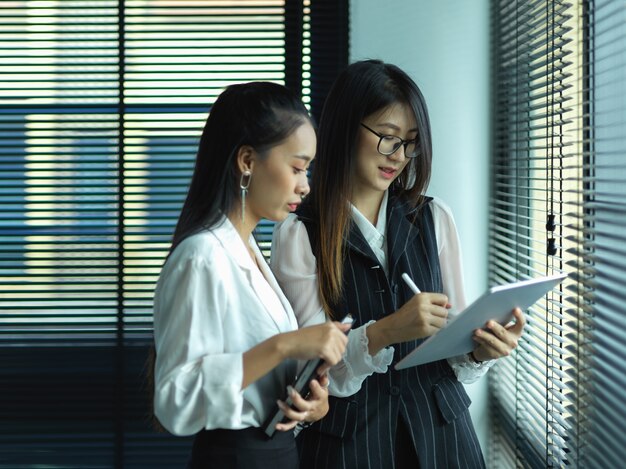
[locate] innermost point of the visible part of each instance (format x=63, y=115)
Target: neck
x=368, y=203
x=244, y=228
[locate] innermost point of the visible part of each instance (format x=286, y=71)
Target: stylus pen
x=410, y=283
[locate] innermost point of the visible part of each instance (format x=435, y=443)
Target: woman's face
x=373, y=171
x=280, y=179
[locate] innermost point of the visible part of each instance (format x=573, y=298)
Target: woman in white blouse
x=226, y=338
x=364, y=225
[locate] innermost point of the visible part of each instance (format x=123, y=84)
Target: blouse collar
x=374, y=235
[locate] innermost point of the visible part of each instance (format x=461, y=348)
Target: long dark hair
x=257, y=114
x=362, y=89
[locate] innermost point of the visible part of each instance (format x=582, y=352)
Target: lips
x=387, y=172
x=293, y=206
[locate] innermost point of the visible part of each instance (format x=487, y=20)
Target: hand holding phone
x=301, y=385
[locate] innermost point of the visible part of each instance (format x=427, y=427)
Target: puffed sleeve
x=449, y=248
x=197, y=384
x=294, y=266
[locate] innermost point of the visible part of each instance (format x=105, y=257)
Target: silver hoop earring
x=244, y=183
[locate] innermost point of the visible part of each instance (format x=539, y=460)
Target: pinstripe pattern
x=359, y=431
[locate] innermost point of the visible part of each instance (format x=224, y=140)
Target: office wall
x=444, y=46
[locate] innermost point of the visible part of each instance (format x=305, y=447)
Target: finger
x=343, y=327
x=518, y=317
x=430, y=298
x=284, y=427
x=323, y=368
x=333, y=347
x=298, y=401
x=496, y=329
x=495, y=346
x=439, y=311
x=339, y=348
x=506, y=336
x=323, y=380
x=317, y=391
x=520, y=322
x=332, y=356
x=438, y=299
x=438, y=322
x=488, y=352
x=342, y=341
x=291, y=413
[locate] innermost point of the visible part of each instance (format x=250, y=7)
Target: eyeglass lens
x=389, y=144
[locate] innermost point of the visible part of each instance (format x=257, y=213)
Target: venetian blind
x=557, y=204
x=602, y=236
x=102, y=105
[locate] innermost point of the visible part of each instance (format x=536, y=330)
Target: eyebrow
x=394, y=126
x=303, y=157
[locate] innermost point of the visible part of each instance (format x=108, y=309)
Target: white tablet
x=497, y=304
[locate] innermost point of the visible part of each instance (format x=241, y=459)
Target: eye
x=298, y=170
x=389, y=138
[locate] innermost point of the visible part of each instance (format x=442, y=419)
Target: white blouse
x=212, y=304
x=294, y=265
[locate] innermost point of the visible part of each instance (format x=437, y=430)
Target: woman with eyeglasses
x=365, y=223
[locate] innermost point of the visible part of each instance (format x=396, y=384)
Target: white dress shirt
x=212, y=304
x=294, y=265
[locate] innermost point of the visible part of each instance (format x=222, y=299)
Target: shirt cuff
x=358, y=360
x=467, y=370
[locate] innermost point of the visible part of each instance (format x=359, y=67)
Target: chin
x=383, y=185
x=278, y=215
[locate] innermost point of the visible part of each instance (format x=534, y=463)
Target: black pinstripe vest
x=359, y=431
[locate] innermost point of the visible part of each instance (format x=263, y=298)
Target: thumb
x=343, y=327
x=324, y=367
x=520, y=322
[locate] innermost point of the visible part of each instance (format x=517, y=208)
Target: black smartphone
x=300, y=384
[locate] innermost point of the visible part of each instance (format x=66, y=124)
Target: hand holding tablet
x=496, y=304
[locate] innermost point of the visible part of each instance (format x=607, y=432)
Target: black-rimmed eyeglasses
x=389, y=144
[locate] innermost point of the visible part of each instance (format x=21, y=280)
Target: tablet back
x=497, y=304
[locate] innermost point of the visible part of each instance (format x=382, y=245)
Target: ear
x=246, y=156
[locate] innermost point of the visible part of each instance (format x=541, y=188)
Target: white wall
x=444, y=46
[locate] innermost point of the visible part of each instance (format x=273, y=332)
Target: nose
x=303, y=187
x=397, y=155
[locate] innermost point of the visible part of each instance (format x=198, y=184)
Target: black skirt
x=249, y=448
